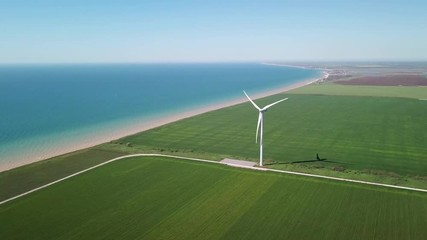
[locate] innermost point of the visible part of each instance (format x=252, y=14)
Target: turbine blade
x=257, y=127
x=256, y=106
x=270, y=105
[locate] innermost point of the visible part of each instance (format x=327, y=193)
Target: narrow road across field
x=233, y=163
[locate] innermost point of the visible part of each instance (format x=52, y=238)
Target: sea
x=44, y=107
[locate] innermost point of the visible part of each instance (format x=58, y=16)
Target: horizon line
x=219, y=62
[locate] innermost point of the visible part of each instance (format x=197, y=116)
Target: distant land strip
x=215, y=162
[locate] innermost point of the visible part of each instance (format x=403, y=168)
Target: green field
x=22, y=179
x=147, y=198
x=416, y=92
x=370, y=134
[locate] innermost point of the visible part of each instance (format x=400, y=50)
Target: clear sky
x=211, y=31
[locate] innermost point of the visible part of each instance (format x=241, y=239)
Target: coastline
x=324, y=70
x=134, y=128
x=286, y=65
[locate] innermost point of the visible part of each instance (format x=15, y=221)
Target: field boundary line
x=349, y=180
x=102, y=164
x=209, y=161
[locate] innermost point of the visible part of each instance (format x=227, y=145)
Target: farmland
x=355, y=133
x=25, y=178
x=387, y=80
x=148, y=198
x=414, y=92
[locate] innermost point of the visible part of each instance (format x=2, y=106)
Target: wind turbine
x=261, y=123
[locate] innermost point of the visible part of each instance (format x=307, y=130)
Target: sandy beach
x=325, y=71
x=284, y=65
x=112, y=134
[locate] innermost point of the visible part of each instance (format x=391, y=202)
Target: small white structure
x=260, y=125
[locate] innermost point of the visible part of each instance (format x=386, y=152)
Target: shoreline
x=286, y=65
x=324, y=70
x=135, y=128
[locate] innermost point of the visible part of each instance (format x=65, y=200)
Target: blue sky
x=211, y=31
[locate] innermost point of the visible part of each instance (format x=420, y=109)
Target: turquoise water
x=44, y=107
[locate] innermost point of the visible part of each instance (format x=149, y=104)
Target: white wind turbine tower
x=261, y=123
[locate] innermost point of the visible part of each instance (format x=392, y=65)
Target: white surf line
x=208, y=161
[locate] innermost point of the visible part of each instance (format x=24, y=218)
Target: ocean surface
x=45, y=107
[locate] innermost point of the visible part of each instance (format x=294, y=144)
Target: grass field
x=415, y=92
x=359, y=133
x=28, y=177
x=147, y=198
